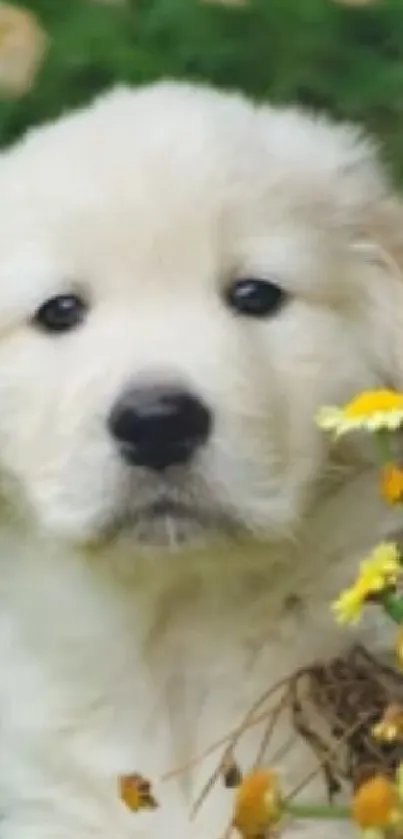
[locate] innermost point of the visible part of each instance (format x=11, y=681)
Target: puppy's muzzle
x=158, y=426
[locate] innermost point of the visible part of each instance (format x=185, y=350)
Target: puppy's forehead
x=174, y=170
x=129, y=144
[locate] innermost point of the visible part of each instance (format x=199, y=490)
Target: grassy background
x=345, y=59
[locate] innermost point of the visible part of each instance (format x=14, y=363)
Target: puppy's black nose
x=159, y=426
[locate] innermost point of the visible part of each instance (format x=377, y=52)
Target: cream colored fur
x=116, y=657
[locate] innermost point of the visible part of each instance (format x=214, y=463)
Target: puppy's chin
x=171, y=527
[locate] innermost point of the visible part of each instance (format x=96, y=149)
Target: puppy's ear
x=378, y=245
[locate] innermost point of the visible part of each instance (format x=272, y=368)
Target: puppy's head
x=184, y=279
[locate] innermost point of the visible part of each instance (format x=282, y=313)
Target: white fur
x=115, y=656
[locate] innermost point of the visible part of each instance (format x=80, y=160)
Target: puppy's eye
x=255, y=298
x=61, y=313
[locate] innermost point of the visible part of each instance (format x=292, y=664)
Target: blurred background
x=343, y=56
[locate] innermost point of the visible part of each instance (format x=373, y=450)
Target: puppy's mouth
x=171, y=524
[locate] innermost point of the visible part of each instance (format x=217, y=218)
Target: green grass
x=346, y=60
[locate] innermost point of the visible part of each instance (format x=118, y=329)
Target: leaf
x=23, y=43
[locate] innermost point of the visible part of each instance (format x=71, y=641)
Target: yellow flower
x=379, y=571
x=372, y=410
x=381, y=568
x=375, y=803
x=392, y=483
x=135, y=791
x=377, y=806
x=348, y=606
x=390, y=726
x=258, y=804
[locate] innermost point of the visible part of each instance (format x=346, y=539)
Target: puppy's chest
x=133, y=683
x=144, y=688
x=148, y=695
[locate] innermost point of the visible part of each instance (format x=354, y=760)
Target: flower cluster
x=379, y=412
x=378, y=573
x=376, y=807
x=260, y=809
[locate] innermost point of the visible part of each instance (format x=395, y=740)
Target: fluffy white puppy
x=184, y=279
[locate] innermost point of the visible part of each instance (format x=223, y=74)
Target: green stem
x=318, y=811
x=393, y=606
x=383, y=440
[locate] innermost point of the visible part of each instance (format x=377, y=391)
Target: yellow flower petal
x=135, y=792
x=257, y=804
x=392, y=483
x=384, y=561
x=375, y=803
x=348, y=606
x=390, y=726
x=379, y=571
x=370, y=401
x=371, y=410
